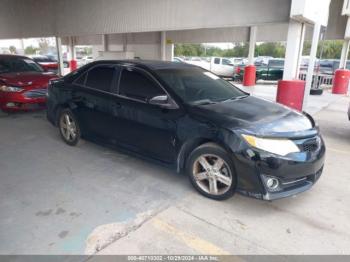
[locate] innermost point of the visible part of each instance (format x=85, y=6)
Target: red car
x=23, y=83
x=47, y=63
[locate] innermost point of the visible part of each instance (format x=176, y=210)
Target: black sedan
x=188, y=118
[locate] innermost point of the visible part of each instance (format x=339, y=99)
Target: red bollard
x=249, y=75
x=291, y=93
x=341, y=81
x=73, y=64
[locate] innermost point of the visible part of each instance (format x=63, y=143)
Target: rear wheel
x=211, y=171
x=69, y=127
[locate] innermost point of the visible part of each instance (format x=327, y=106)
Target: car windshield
x=196, y=86
x=16, y=65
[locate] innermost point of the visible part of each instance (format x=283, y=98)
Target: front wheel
x=211, y=171
x=69, y=127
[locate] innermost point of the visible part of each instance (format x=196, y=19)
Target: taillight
x=238, y=70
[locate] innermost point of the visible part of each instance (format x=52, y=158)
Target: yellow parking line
x=338, y=150
x=191, y=241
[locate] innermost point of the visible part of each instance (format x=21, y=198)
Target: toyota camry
x=185, y=117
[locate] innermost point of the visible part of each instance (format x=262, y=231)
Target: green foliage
x=13, y=49
x=270, y=49
x=331, y=49
x=30, y=50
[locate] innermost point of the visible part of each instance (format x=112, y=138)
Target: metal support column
x=163, y=45
x=252, y=42
x=295, y=41
x=312, y=60
x=59, y=56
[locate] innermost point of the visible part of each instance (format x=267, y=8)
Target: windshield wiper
x=234, y=98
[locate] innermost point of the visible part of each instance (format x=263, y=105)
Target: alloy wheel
x=68, y=127
x=212, y=174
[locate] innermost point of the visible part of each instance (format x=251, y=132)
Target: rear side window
x=100, y=78
x=134, y=84
x=217, y=61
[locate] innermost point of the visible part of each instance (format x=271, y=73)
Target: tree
x=44, y=45
x=30, y=50
x=13, y=49
x=331, y=49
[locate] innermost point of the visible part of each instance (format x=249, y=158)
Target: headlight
x=276, y=146
x=10, y=89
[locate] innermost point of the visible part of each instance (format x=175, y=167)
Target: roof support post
x=252, y=42
x=294, y=49
x=71, y=48
x=344, y=54
x=105, y=43
x=59, y=55
x=312, y=60
x=163, y=45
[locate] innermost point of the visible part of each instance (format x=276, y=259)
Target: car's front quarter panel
x=296, y=172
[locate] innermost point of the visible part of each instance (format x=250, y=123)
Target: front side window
x=198, y=86
x=136, y=85
x=226, y=62
x=217, y=61
x=100, y=78
x=18, y=65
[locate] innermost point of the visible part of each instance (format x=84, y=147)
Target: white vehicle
x=217, y=65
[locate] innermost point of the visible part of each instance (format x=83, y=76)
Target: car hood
x=256, y=116
x=27, y=79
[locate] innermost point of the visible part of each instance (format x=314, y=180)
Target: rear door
x=94, y=98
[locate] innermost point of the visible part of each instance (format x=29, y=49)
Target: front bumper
x=22, y=101
x=296, y=172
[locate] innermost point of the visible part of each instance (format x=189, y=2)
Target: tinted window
x=100, y=78
x=197, y=86
x=81, y=79
x=217, y=61
x=9, y=65
x=135, y=85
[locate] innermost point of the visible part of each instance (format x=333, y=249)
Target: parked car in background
x=23, y=83
x=48, y=64
x=329, y=66
x=272, y=70
x=178, y=60
x=220, y=66
x=54, y=58
x=190, y=119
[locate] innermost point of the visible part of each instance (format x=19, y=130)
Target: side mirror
x=163, y=101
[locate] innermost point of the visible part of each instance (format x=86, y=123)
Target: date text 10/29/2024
x=173, y=258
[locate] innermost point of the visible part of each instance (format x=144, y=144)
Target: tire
x=316, y=91
x=204, y=179
x=70, y=133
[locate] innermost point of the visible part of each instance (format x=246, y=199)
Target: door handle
x=115, y=108
x=116, y=105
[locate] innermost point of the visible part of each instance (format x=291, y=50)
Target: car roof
x=13, y=56
x=150, y=64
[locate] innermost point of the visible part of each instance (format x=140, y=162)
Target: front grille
x=310, y=145
x=36, y=93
